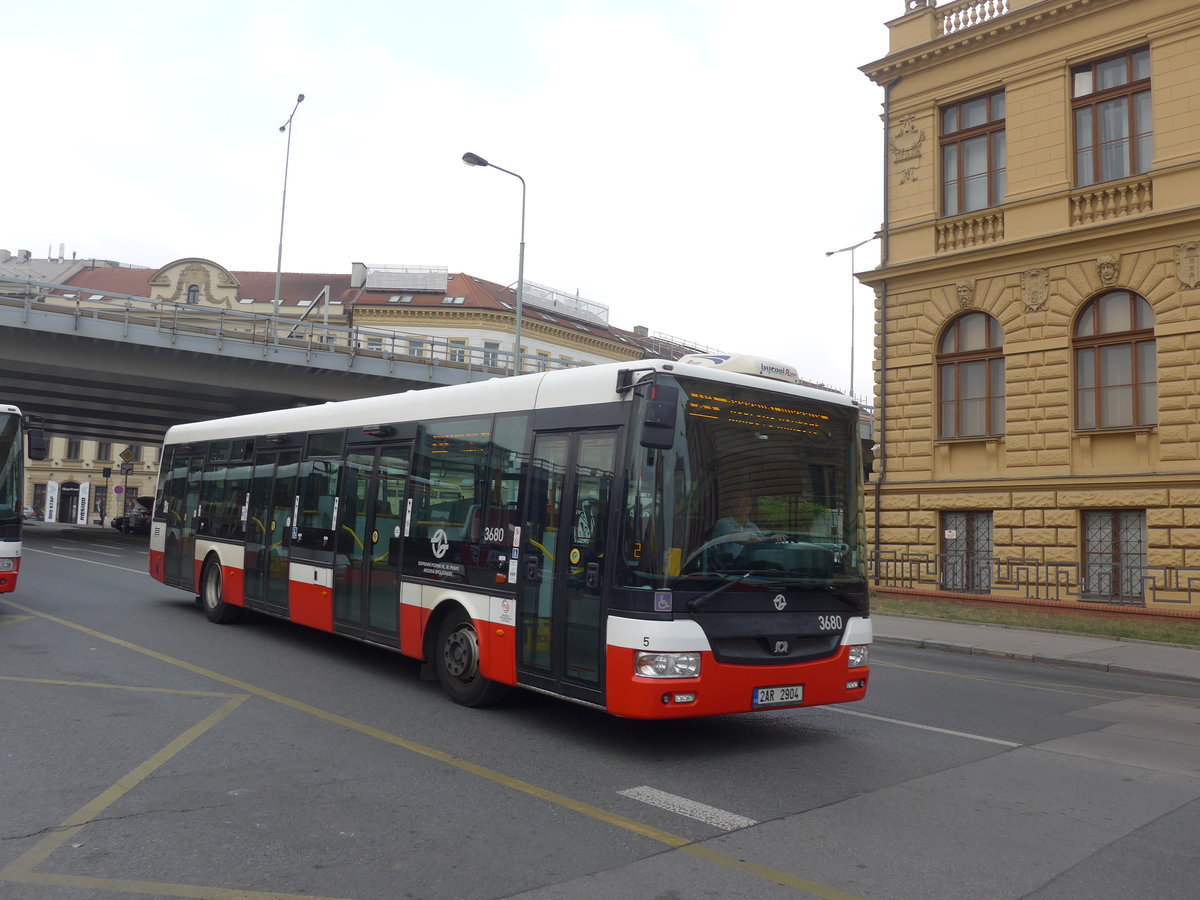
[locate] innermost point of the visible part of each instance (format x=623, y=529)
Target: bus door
x=270, y=504
x=182, y=496
x=370, y=535
x=564, y=562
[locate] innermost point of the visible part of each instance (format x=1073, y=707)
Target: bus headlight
x=668, y=665
x=859, y=654
x=7, y=564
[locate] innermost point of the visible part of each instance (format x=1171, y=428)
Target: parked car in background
x=138, y=521
x=30, y=514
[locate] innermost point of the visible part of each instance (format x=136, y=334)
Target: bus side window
x=317, y=490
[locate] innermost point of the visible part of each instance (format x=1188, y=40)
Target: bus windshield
x=10, y=468
x=758, y=485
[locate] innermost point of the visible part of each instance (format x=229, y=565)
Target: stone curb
x=1090, y=664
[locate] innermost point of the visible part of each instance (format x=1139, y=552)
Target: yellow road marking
x=663, y=837
x=6, y=619
x=161, y=889
x=57, y=682
x=20, y=871
x=70, y=826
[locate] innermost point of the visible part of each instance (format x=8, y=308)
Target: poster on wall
x=85, y=502
x=51, y=501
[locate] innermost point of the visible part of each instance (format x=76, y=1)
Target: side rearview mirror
x=38, y=447
x=659, y=417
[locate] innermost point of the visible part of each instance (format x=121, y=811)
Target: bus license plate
x=778, y=696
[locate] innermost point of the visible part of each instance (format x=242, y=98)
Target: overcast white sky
x=688, y=162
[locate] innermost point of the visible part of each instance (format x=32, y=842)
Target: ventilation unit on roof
x=406, y=278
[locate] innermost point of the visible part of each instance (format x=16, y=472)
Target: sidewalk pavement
x=1104, y=654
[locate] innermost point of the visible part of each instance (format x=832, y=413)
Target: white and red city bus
x=12, y=489
x=570, y=532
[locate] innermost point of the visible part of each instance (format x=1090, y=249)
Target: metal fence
x=1034, y=579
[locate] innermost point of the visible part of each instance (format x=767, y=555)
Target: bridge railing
x=268, y=331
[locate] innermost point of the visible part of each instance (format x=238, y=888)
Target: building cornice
x=1148, y=228
x=1010, y=26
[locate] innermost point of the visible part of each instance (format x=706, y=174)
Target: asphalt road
x=147, y=752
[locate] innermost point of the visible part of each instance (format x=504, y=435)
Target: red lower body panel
x=158, y=569
x=497, y=652
x=412, y=627
x=233, y=586
x=723, y=688
x=8, y=580
x=311, y=605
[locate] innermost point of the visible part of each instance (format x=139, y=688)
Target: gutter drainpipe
x=883, y=332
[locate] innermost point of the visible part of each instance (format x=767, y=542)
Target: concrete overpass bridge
x=114, y=367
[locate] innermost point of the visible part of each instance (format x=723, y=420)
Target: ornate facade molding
x=1107, y=270
x=214, y=283
x=905, y=147
x=1035, y=288
x=1187, y=265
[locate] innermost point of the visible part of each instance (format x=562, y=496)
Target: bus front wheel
x=215, y=607
x=456, y=658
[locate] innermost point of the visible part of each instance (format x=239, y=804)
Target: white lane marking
x=961, y=734
x=718, y=818
x=87, y=550
x=93, y=562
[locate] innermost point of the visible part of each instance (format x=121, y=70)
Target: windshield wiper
x=697, y=603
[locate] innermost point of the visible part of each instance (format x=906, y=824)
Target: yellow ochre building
x=1037, y=382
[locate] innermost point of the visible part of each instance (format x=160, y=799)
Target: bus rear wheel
x=456, y=659
x=211, y=596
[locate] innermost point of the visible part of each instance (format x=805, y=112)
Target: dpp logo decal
x=440, y=543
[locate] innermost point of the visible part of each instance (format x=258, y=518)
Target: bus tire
x=456, y=659
x=212, y=595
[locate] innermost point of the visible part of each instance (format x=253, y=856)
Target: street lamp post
x=286, y=126
x=851, y=248
x=472, y=159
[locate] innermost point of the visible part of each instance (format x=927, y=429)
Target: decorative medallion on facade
x=1106, y=268
x=905, y=147
x=1187, y=264
x=966, y=294
x=1035, y=286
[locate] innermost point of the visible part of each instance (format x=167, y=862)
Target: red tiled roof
x=297, y=287
x=479, y=294
x=294, y=287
